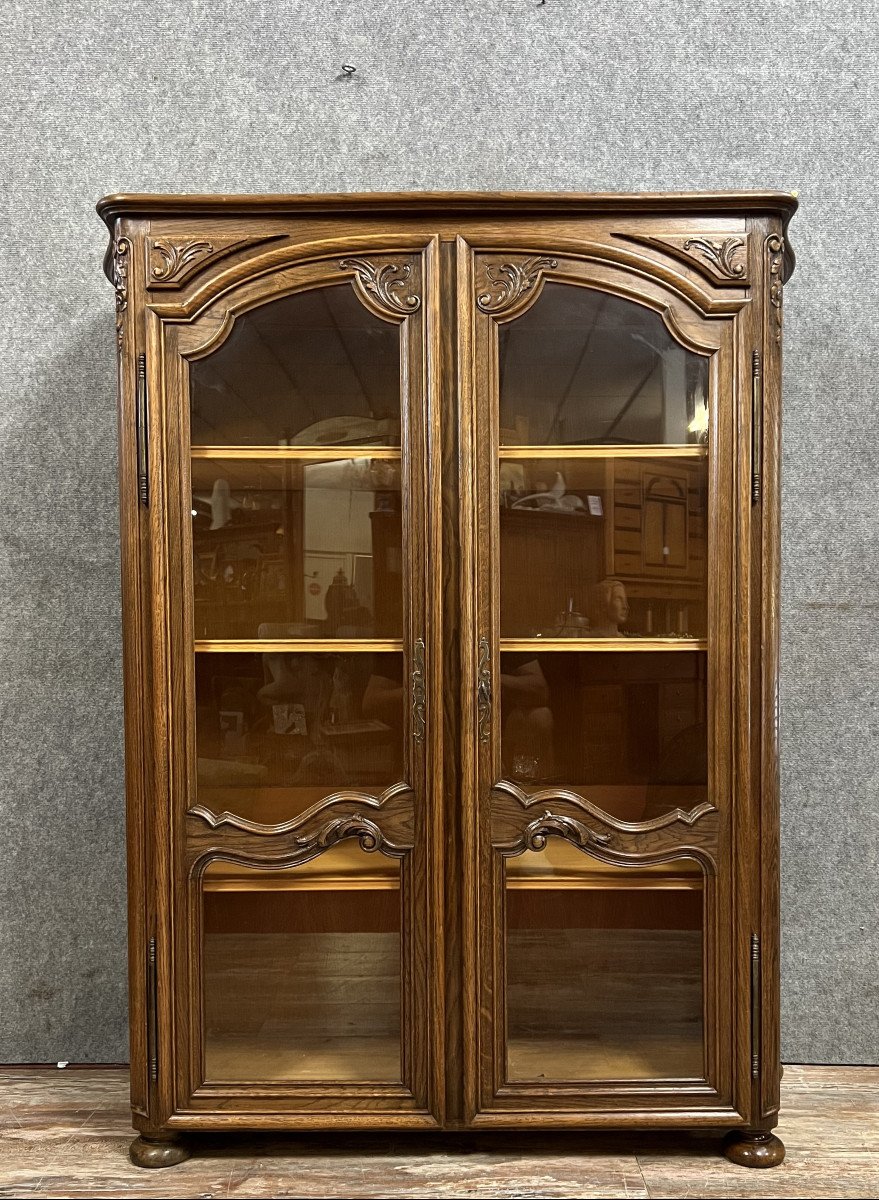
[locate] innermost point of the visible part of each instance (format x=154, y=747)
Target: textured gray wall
x=232, y=96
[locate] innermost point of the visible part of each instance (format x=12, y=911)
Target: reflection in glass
x=603, y=547
x=297, y=549
x=275, y=733
x=603, y=968
x=315, y=368
x=628, y=731
x=584, y=367
x=302, y=970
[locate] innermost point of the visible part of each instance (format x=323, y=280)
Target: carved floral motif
x=534, y=834
x=775, y=256
x=121, y=260
x=483, y=691
x=419, y=693
x=390, y=283
x=503, y=284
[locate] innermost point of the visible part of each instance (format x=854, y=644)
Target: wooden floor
x=66, y=1133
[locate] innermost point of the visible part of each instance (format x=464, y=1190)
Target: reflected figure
x=527, y=742
x=346, y=616
x=610, y=608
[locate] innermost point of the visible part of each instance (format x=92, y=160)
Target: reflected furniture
x=450, y=567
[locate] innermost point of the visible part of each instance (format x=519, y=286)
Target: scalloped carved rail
x=383, y=824
x=676, y=834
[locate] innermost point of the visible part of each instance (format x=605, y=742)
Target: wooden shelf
x=304, y=453
x=687, y=450
x=298, y=646
x=590, y=645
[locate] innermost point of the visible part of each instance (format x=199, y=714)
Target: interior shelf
x=542, y=644
x=297, y=646
x=686, y=450
x=304, y=453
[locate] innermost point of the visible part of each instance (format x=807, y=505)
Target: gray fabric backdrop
x=238, y=96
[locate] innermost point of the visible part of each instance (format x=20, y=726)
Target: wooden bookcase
x=450, y=567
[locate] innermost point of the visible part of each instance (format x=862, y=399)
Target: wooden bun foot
x=157, y=1152
x=753, y=1148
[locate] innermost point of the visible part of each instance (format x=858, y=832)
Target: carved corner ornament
x=172, y=263
x=121, y=262
x=500, y=284
x=388, y=284
x=775, y=268
x=723, y=260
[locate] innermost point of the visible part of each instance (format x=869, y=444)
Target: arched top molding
x=509, y=279
x=226, y=279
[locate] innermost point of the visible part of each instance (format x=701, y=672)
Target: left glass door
x=302, y=887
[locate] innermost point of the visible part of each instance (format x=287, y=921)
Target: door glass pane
x=297, y=549
x=315, y=368
x=277, y=732
x=604, y=968
x=583, y=367
x=302, y=970
x=603, y=547
x=625, y=730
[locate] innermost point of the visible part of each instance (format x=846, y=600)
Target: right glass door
x=595, y=824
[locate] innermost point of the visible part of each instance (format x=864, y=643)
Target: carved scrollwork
x=176, y=256
x=419, y=692
x=170, y=263
x=121, y=261
x=721, y=254
x=675, y=834
x=722, y=260
x=502, y=284
x=382, y=823
x=388, y=283
x=483, y=690
x=775, y=270
x=534, y=835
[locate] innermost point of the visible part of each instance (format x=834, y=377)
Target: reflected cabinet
x=450, y=565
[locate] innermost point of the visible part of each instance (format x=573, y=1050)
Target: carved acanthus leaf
x=722, y=254
x=389, y=283
x=175, y=256
x=501, y=284
x=351, y=825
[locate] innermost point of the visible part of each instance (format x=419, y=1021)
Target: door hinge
x=142, y=430
x=152, y=1011
x=756, y=426
x=755, y=1005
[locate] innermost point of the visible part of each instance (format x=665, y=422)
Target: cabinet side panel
x=771, y=248
x=125, y=255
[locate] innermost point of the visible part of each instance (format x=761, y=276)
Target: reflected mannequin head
x=610, y=608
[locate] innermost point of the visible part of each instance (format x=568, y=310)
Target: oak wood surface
x=66, y=1133
x=186, y=269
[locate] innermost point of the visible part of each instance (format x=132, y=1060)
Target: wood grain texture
x=447, y=272
x=66, y=1133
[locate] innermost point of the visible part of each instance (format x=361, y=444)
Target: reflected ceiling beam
x=633, y=396
x=577, y=365
x=347, y=352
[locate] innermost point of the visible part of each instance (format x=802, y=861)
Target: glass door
x=594, y=823
x=304, y=638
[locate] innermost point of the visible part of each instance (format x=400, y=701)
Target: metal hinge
x=142, y=430
x=756, y=427
x=755, y=1005
x=152, y=1011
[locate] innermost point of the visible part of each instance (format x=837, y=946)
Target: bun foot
x=753, y=1148
x=157, y=1152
